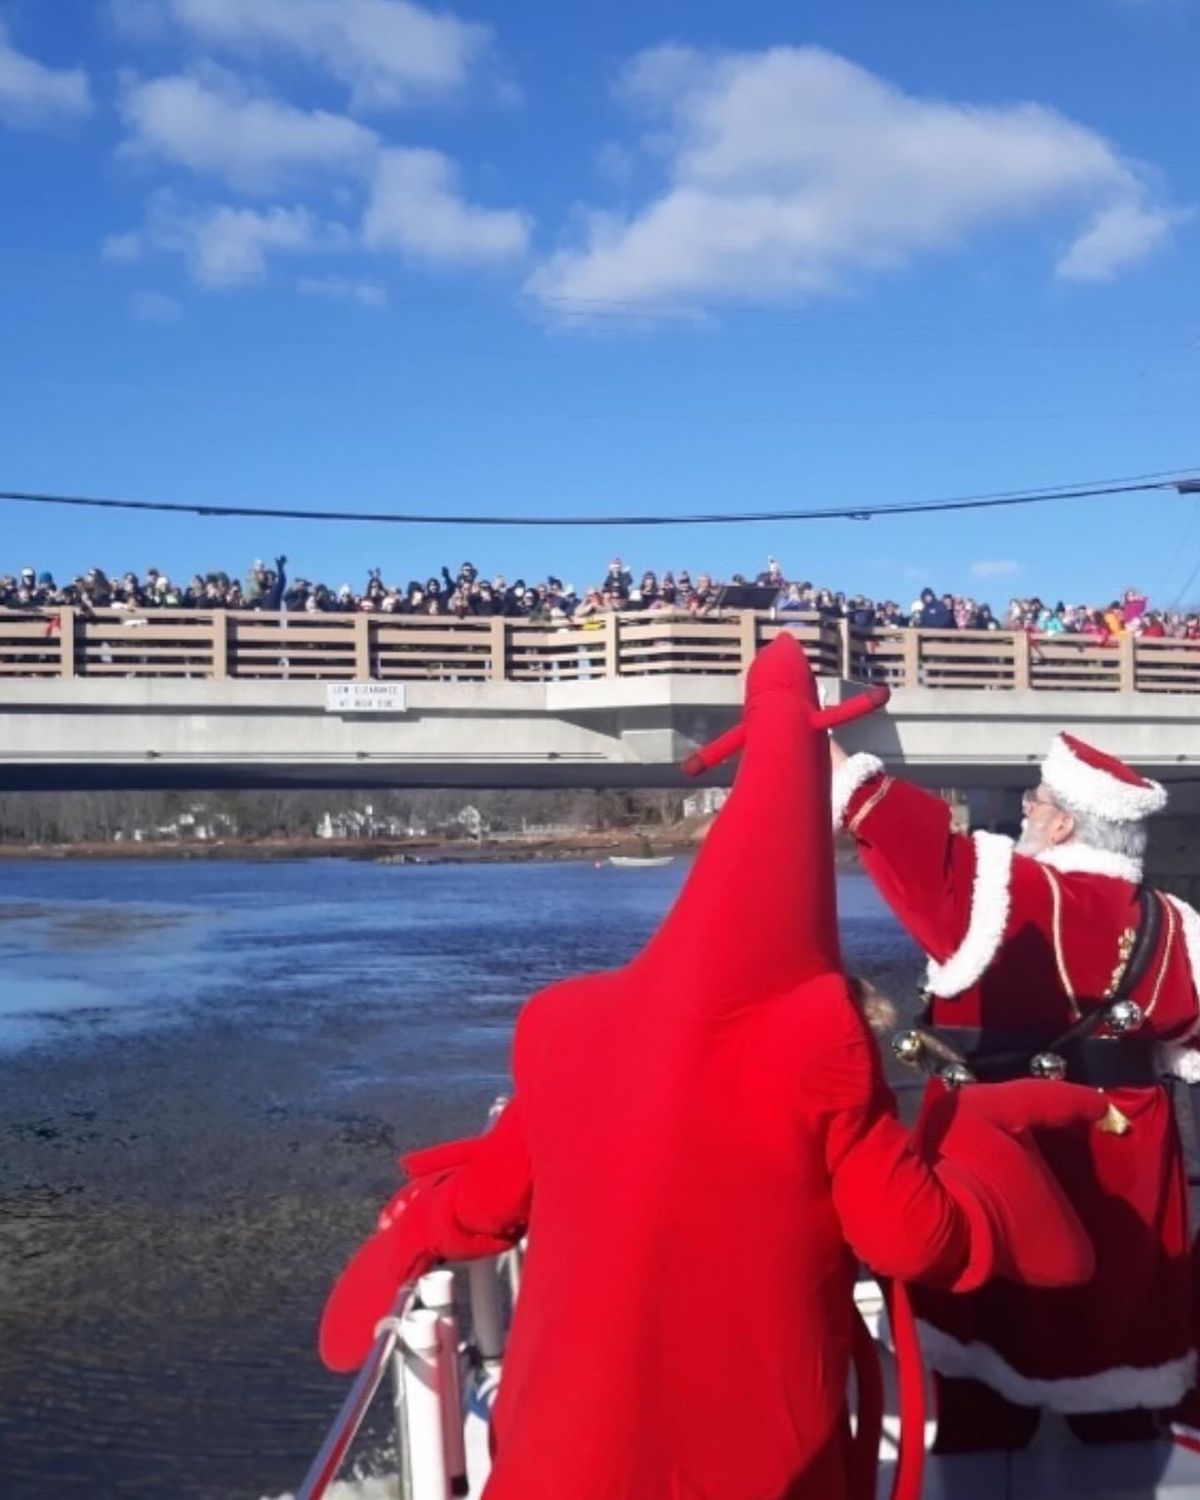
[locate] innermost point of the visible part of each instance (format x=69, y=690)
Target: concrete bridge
x=178, y=699
x=176, y=732
x=203, y=702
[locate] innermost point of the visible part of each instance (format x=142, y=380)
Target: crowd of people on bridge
x=469, y=593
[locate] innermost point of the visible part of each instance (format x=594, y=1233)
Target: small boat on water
x=639, y=861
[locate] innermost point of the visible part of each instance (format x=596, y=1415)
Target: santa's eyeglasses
x=1030, y=799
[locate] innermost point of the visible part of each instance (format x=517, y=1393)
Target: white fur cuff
x=990, y=897
x=1190, y=920
x=848, y=777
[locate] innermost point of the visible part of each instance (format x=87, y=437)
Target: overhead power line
x=1182, y=482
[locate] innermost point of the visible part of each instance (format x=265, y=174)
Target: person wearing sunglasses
x=1033, y=943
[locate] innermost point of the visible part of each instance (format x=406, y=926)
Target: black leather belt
x=1106, y=1062
x=1125, y=1059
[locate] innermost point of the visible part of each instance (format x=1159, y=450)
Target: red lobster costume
x=700, y=1146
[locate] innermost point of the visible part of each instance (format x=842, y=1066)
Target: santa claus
x=1050, y=956
x=699, y=1145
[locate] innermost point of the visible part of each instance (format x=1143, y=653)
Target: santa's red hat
x=1087, y=780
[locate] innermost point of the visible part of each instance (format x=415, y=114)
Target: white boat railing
x=327, y=1465
x=419, y=1344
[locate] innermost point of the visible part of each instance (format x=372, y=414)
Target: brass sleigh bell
x=908, y=1047
x=1125, y=1016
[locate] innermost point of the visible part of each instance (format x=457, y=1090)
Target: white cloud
x=155, y=307
x=224, y=245
x=405, y=201
x=140, y=20
x=227, y=246
x=415, y=208
x=122, y=249
x=389, y=53
x=253, y=144
x=31, y=93
x=1000, y=568
x=615, y=163
x=365, y=293
x=1119, y=235
x=794, y=172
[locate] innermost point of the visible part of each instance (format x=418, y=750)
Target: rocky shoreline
x=677, y=839
x=680, y=839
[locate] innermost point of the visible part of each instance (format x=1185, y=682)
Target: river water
x=206, y=1072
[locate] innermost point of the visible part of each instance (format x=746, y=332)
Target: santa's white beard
x=1028, y=841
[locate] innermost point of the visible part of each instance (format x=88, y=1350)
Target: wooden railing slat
x=65, y=641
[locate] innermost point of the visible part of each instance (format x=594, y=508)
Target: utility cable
x=1178, y=481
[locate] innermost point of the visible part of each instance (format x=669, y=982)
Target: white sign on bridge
x=365, y=698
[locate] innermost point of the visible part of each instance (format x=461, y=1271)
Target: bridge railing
x=65, y=642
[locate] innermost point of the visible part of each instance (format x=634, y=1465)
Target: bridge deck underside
x=615, y=733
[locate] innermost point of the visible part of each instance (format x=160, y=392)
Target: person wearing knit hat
x=1048, y=955
x=715, y=1109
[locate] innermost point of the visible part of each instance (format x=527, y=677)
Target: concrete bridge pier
x=1173, y=854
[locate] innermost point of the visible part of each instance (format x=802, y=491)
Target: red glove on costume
x=417, y=1229
x=968, y=1195
x=1022, y=1227
x=427, y=1167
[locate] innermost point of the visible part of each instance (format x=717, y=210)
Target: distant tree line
x=91, y=817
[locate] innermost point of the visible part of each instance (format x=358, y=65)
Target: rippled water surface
x=206, y=1072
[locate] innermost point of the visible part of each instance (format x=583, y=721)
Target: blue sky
x=578, y=259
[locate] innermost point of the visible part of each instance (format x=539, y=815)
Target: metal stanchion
x=511, y=1261
x=487, y=1316
x=423, y=1405
x=400, y=1411
x=437, y=1294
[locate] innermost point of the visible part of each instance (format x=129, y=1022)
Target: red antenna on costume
x=758, y=914
x=709, y=756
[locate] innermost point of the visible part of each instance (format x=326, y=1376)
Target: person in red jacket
x=1027, y=941
x=699, y=1146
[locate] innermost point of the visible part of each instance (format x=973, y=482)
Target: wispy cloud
x=415, y=207
x=224, y=245
x=155, y=307
x=122, y=249
x=1118, y=236
x=347, y=187
x=994, y=568
x=793, y=172
x=364, y=293
x=388, y=53
x=252, y=144
x=412, y=208
x=33, y=94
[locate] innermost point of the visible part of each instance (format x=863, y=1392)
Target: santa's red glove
x=1022, y=1227
x=417, y=1229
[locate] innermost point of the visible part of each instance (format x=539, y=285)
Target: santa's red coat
x=1006, y=935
